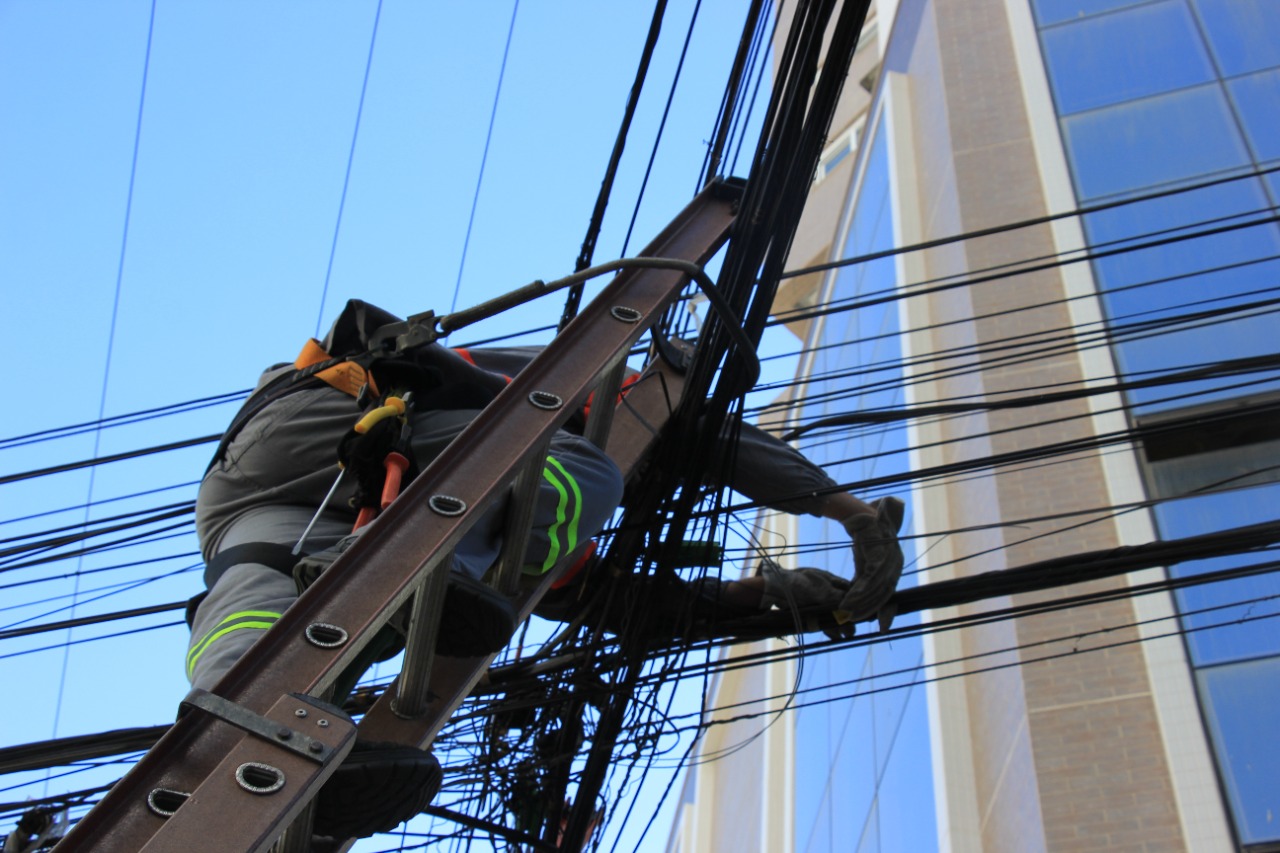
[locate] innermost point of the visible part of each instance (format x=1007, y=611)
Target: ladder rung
x=516, y=528
x=413, y=686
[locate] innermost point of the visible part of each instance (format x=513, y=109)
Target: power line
x=662, y=124
x=1029, y=223
x=351, y=156
x=484, y=156
x=111, y=333
x=587, y=252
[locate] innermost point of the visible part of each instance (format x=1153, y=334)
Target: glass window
x=906, y=817
x=1232, y=267
x=1130, y=54
x=1257, y=102
x=1244, y=34
x=901, y=665
x=1239, y=598
x=1242, y=701
x=1054, y=11
x=1153, y=141
x=852, y=774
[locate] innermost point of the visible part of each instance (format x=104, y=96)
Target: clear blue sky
x=161, y=247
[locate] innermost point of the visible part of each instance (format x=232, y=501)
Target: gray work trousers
x=275, y=474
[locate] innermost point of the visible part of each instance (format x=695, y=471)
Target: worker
x=272, y=512
x=771, y=472
x=273, y=477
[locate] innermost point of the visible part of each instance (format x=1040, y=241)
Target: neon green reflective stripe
x=577, y=503
x=553, y=532
x=562, y=512
x=223, y=628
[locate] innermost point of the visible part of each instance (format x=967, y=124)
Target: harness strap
x=270, y=554
x=347, y=377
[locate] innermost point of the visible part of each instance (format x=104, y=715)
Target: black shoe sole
x=377, y=788
x=477, y=619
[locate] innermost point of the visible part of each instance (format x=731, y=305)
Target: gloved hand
x=799, y=590
x=877, y=559
x=802, y=589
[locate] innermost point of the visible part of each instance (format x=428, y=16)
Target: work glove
x=877, y=560
x=801, y=589
x=808, y=592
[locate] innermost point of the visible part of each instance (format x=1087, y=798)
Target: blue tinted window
x=1153, y=141
x=1229, y=268
x=862, y=739
x=1257, y=102
x=1130, y=54
x=898, y=666
x=906, y=814
x=1244, y=34
x=1053, y=11
x=1240, y=597
x=1242, y=709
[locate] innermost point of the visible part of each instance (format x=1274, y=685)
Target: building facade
x=1143, y=720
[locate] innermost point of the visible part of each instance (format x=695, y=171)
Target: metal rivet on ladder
x=625, y=314
x=166, y=801
x=257, y=778
x=546, y=400
x=325, y=636
x=447, y=505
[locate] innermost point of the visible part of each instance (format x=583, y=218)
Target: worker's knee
x=580, y=465
x=246, y=600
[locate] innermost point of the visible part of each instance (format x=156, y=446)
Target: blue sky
x=164, y=243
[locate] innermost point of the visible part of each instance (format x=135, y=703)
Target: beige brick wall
x=1066, y=753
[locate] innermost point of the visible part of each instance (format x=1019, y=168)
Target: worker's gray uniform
x=272, y=477
x=763, y=467
x=267, y=483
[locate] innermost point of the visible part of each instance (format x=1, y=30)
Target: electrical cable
x=611, y=170
x=112, y=325
x=1084, y=210
x=351, y=157
x=662, y=124
x=484, y=156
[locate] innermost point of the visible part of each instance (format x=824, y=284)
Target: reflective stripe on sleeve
x=258, y=619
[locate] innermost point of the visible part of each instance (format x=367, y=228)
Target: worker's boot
x=376, y=788
x=877, y=560
x=475, y=620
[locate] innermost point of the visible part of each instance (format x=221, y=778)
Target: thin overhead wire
x=596, y=222
x=351, y=157
x=484, y=156
x=111, y=333
x=662, y=124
